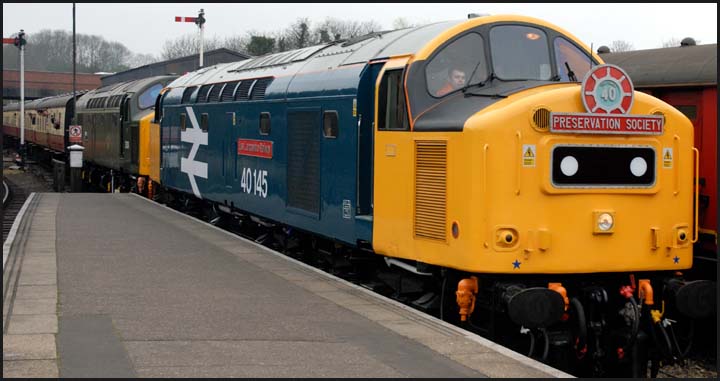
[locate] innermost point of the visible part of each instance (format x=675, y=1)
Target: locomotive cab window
x=392, y=113
x=183, y=121
x=148, y=97
x=460, y=63
x=519, y=53
x=330, y=125
x=265, y=123
x=569, y=56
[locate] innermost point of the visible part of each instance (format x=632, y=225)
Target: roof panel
x=668, y=66
x=280, y=58
x=412, y=42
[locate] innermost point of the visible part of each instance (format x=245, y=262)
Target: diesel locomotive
x=509, y=179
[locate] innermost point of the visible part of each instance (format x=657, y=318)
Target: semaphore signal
x=199, y=21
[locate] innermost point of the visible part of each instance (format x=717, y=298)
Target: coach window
x=183, y=120
x=330, y=125
x=392, y=113
x=204, y=121
x=265, y=123
x=520, y=52
x=576, y=59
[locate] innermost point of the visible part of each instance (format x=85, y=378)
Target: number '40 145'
x=254, y=182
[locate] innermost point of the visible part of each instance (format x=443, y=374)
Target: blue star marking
x=516, y=264
x=676, y=259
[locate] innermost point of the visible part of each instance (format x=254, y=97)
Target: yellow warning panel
x=529, y=154
x=667, y=157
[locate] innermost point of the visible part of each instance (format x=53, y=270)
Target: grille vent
x=187, y=93
x=258, y=91
x=214, y=95
x=541, y=119
x=303, y=169
x=660, y=113
x=228, y=91
x=243, y=91
x=431, y=190
x=202, y=94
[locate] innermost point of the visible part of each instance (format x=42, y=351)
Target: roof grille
x=243, y=91
x=228, y=91
x=187, y=93
x=202, y=94
x=258, y=91
x=214, y=95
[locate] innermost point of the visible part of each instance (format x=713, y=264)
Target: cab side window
x=578, y=61
x=392, y=113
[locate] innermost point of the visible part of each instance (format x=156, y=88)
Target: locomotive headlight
x=569, y=166
x=604, y=222
x=638, y=166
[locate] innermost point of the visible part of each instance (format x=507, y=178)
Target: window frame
x=265, y=116
x=383, y=103
x=337, y=124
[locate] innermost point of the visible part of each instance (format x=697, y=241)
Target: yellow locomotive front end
x=514, y=166
x=541, y=160
x=516, y=197
x=588, y=198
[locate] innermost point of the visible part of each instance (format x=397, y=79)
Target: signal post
x=20, y=42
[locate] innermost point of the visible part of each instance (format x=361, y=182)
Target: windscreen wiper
x=571, y=74
x=478, y=84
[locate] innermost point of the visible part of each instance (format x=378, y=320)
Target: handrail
x=485, y=193
x=518, y=168
x=697, y=194
x=676, y=152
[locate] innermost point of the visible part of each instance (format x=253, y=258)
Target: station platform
x=115, y=285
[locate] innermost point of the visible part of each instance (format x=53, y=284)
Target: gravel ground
x=693, y=369
x=32, y=177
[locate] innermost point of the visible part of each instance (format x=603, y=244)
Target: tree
x=298, y=34
x=137, y=60
x=619, y=46
x=187, y=45
x=260, y=45
x=401, y=23
x=51, y=50
x=671, y=43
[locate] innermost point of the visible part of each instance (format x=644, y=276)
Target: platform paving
x=123, y=287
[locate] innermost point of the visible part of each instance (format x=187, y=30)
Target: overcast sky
x=144, y=28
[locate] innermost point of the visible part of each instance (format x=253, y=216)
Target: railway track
x=13, y=199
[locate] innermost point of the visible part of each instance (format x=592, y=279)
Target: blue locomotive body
x=271, y=155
